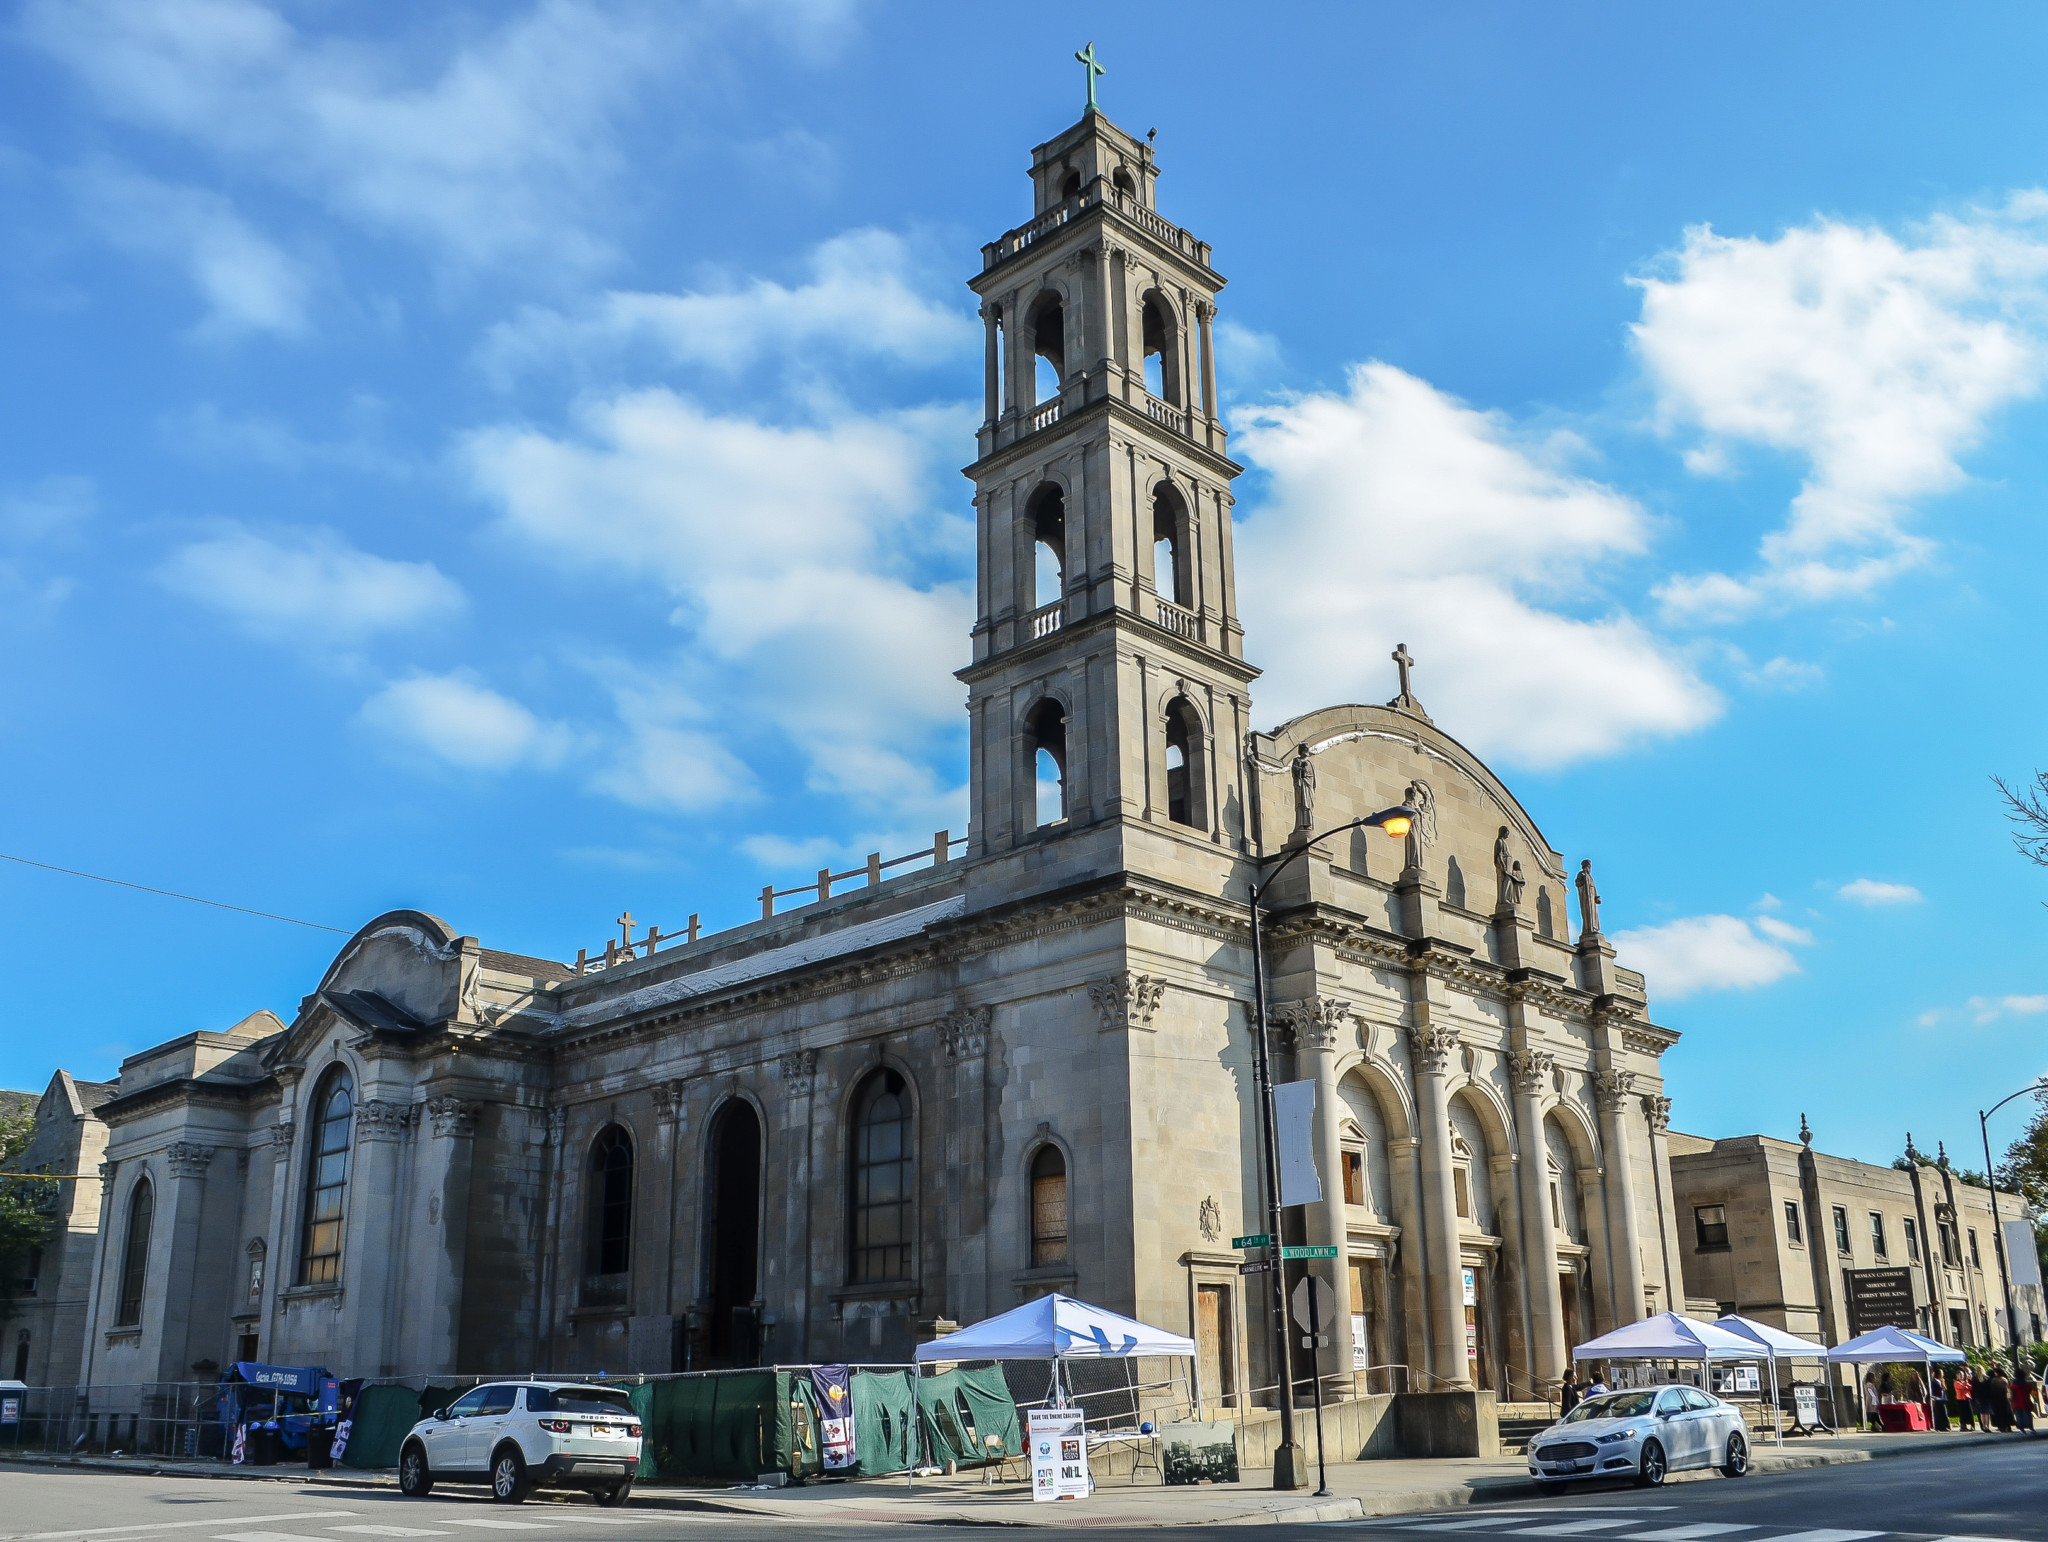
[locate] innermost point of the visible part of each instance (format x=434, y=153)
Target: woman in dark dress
x=1999, y=1392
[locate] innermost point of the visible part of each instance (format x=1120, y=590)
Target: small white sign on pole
x=1294, y=1122
x=1059, y=1453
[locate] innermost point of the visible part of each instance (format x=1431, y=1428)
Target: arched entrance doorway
x=733, y=1239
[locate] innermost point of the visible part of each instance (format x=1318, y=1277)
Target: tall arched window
x=1162, y=364
x=1049, y=344
x=610, y=1244
x=1048, y=1208
x=1045, y=730
x=1047, y=516
x=135, y=1253
x=1172, y=573
x=1187, y=795
x=327, y=1179
x=884, y=1182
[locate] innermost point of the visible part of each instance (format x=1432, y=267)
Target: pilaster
x=1430, y=1049
x=1613, y=1093
x=1318, y=1025
x=1529, y=1072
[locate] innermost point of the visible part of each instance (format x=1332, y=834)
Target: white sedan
x=1642, y=1435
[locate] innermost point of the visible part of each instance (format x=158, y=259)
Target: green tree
x=26, y=1203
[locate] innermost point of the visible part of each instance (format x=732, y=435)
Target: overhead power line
x=172, y=894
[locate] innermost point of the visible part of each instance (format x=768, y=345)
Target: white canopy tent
x=1888, y=1344
x=1777, y=1344
x=1057, y=1327
x=1668, y=1336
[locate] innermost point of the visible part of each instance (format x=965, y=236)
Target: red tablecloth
x=1902, y=1416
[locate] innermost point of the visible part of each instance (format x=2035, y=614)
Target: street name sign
x=1313, y=1252
x=1258, y=1239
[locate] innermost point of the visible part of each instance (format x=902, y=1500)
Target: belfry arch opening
x=1186, y=793
x=1071, y=187
x=1162, y=356
x=1047, y=516
x=733, y=1237
x=1045, y=737
x=1172, y=577
x=1049, y=346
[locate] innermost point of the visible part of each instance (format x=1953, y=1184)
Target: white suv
x=519, y=1435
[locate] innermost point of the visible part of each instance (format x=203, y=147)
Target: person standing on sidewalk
x=1963, y=1399
x=2026, y=1394
x=1568, y=1395
x=1998, y=1392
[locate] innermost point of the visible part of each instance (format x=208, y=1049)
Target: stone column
x=1529, y=1074
x=1318, y=1025
x=1208, y=315
x=1657, y=1113
x=1600, y=1236
x=799, y=1084
x=376, y=1242
x=963, y=1040
x=1411, y=1258
x=992, y=353
x=1613, y=1090
x=185, y=1163
x=444, y=1177
x=1430, y=1051
x=281, y=1261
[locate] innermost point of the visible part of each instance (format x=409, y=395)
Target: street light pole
x=2012, y=1318
x=1289, y=1468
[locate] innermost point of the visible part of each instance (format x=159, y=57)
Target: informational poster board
x=1361, y=1351
x=10, y=1410
x=1059, y=1454
x=1735, y=1379
x=1806, y=1406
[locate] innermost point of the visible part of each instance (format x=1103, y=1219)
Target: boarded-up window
x=1048, y=1208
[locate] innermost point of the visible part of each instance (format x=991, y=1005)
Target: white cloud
x=49, y=510
x=1988, y=1009
x=503, y=146
x=1396, y=513
x=798, y=559
x=307, y=586
x=1872, y=891
x=455, y=719
x=1875, y=360
x=1701, y=953
x=665, y=761
x=249, y=284
x=863, y=297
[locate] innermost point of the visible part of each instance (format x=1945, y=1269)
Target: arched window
x=1454, y=884
x=135, y=1253
x=1125, y=183
x=1047, y=516
x=609, y=1245
x=1186, y=795
x=1173, y=577
x=1071, y=188
x=1045, y=732
x=1162, y=364
x=883, y=1180
x=1049, y=345
x=327, y=1179
x=1048, y=1208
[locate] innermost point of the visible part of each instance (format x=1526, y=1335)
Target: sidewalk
x=1359, y=1489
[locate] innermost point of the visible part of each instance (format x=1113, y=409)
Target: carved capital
x=668, y=1099
x=1529, y=1069
x=800, y=1073
x=281, y=1135
x=379, y=1119
x=453, y=1116
x=963, y=1032
x=1611, y=1089
x=1317, y=1023
x=1658, y=1111
x=1431, y=1048
x=187, y=1160
x=1127, y=1000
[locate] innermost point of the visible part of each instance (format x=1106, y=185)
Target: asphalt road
x=1998, y=1492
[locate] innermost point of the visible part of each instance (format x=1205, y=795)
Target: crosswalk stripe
x=1485, y=1520
x=1818, y=1536
x=152, y=1526
x=1684, y=1533
x=389, y=1531
x=262, y=1536
x=1566, y=1528
x=495, y=1524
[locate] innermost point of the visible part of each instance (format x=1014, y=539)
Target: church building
x=1021, y=1061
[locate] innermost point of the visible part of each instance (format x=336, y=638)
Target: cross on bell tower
x=1108, y=688
x=1406, y=702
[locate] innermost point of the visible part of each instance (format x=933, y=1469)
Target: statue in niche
x=1304, y=790
x=1422, y=829
x=1507, y=874
x=1589, y=901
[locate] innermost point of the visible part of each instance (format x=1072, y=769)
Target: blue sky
x=503, y=460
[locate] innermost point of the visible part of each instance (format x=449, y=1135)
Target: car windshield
x=597, y=1400
x=1615, y=1405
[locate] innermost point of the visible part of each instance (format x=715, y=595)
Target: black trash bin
x=263, y=1447
x=320, y=1446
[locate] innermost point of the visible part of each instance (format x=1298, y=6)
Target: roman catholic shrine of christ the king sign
x=1879, y=1298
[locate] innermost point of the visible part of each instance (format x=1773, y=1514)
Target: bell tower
x=1108, y=690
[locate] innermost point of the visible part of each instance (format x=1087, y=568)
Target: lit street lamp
x=1288, y=1470
x=2012, y=1319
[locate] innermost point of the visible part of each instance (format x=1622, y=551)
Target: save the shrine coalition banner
x=834, y=1386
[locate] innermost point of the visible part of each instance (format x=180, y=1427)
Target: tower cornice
x=1148, y=435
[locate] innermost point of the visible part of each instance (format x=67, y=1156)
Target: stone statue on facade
x=1304, y=790
x=1507, y=874
x=1589, y=901
x=1422, y=829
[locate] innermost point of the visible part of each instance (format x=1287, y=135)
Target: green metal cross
x=1087, y=57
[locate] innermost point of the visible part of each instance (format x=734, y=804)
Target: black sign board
x=1879, y=1298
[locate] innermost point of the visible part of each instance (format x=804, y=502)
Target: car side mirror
x=440, y=1413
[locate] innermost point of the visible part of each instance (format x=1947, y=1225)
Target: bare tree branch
x=2027, y=807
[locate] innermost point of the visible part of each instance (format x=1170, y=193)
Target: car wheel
x=616, y=1495
x=1651, y=1469
x=509, y=1482
x=415, y=1478
x=1738, y=1457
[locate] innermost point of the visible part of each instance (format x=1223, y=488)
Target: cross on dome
x=1094, y=67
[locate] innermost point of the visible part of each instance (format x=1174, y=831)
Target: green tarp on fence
x=731, y=1427
x=381, y=1418
x=882, y=1407
x=961, y=1409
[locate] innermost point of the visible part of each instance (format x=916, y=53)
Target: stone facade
x=46, y=1333
x=1774, y=1229
x=1025, y=1065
